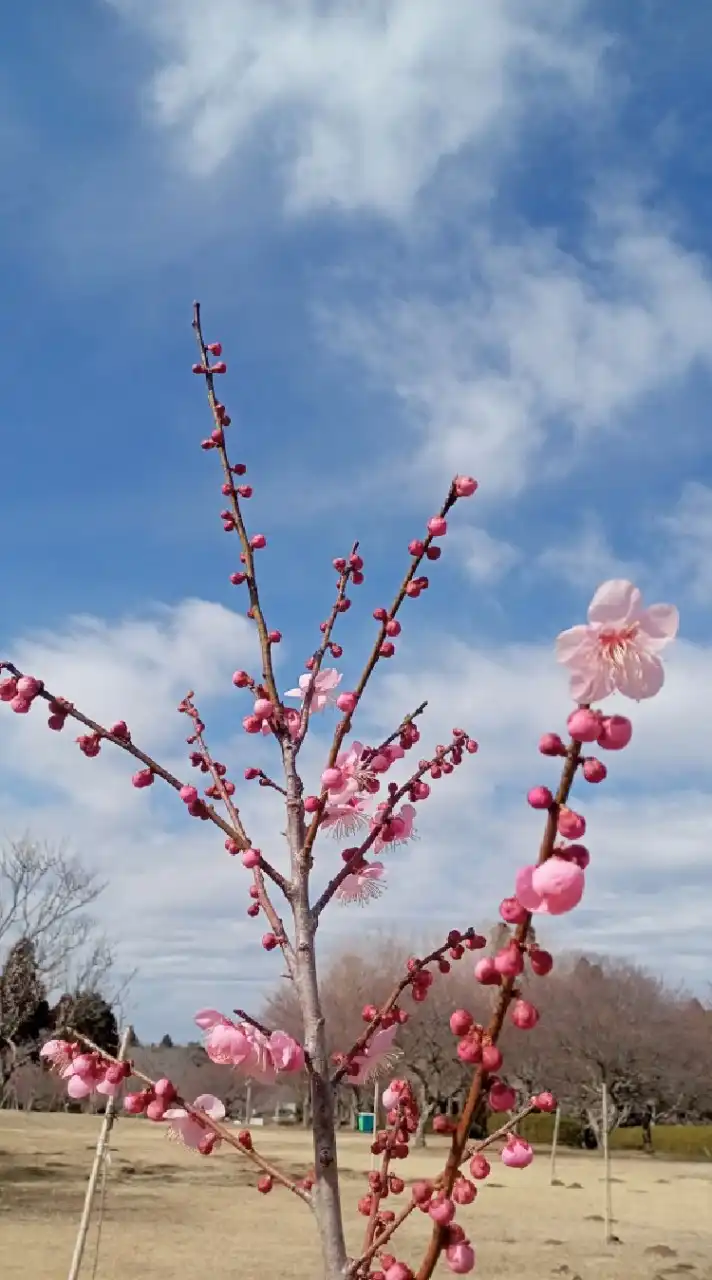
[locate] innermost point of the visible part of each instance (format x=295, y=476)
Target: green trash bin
x=366, y=1122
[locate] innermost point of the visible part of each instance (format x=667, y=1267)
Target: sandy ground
x=169, y=1213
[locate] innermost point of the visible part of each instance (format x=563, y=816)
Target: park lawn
x=171, y=1214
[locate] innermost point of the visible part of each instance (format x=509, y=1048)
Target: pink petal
x=659, y=625
x=175, y=1113
x=107, y=1088
x=615, y=604
x=575, y=643
x=555, y=876
x=78, y=1088
x=641, y=676
x=525, y=892
x=211, y=1105
x=207, y=1018
x=592, y=681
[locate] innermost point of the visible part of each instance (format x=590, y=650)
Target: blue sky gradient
x=475, y=240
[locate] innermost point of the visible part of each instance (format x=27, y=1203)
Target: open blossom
x=190, y=1129
x=240, y=1045
x=398, y=829
x=324, y=685
x=362, y=885
x=85, y=1073
x=553, y=888
x=379, y=1055
x=618, y=648
x=345, y=816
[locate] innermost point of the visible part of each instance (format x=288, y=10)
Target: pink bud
x=29, y=687
x=188, y=795
x=460, y=1258
x=269, y=942
x=441, y=1210
x=274, y=637
x=542, y=962
x=251, y=858
x=491, y=1058
x=501, y=1098
x=615, y=734
x=570, y=825
x=20, y=705
x=437, y=526
x=540, y=798
x=165, y=1090
x=469, y=1050
x=465, y=486
x=577, y=853
x=144, y=778
x=332, y=779
x=594, y=770
x=134, y=1104
x=241, y=679
x=311, y=804
x=387, y=649
x=524, y=1015
x=416, y=548
x=512, y=912
x=8, y=689
x=509, y=962
x=480, y=1167
x=460, y=1022
x=347, y=702
x=251, y=724
x=584, y=725
x=486, y=972
x=545, y=1101
x=155, y=1110
x=550, y=744
x=258, y=541
x=263, y=709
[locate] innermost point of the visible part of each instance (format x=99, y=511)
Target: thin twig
x=344, y=725
x=215, y=1126
x=382, y=821
x=494, y=1029
x=455, y=938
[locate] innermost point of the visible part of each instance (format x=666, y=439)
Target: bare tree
x=50, y=943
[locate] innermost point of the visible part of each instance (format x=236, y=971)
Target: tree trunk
x=327, y=1201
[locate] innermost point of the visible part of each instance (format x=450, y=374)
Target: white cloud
x=485, y=559
x=586, y=556
x=689, y=530
x=359, y=103
x=177, y=901
x=546, y=349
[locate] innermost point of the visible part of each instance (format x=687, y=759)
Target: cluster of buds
x=84, y=1072
x=152, y=1102
x=20, y=693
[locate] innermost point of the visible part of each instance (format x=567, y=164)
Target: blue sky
x=472, y=240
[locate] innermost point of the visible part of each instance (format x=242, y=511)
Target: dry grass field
x=170, y=1214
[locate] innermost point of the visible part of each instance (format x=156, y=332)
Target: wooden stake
x=99, y=1158
x=607, y=1202
x=554, y=1144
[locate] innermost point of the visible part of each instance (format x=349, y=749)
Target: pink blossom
x=324, y=685
x=363, y=885
x=378, y=1055
x=517, y=1154
x=57, y=1052
x=460, y=1258
x=553, y=888
x=618, y=648
x=396, y=830
x=344, y=817
x=190, y=1129
x=287, y=1054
